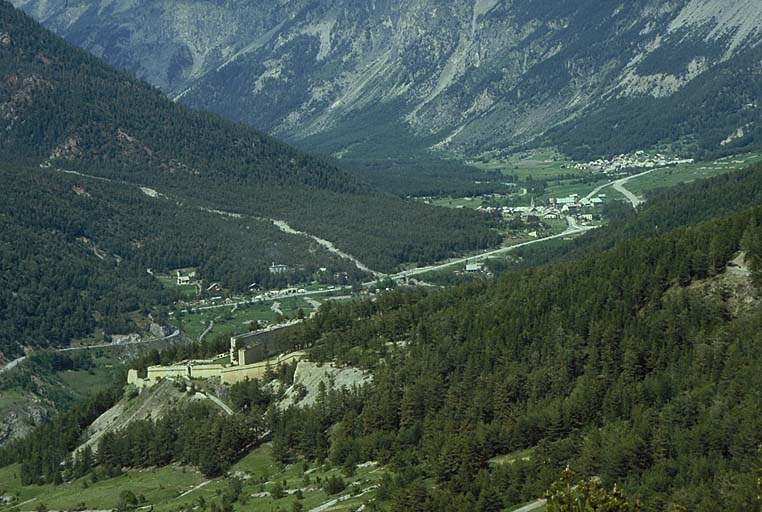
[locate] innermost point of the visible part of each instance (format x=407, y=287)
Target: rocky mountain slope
x=360, y=77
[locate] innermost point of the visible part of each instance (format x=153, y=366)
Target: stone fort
x=244, y=363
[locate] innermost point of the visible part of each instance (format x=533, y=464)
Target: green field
x=565, y=188
x=229, y=322
x=540, y=164
x=686, y=173
x=458, y=202
x=157, y=486
x=184, y=292
x=12, y=397
x=176, y=487
x=86, y=383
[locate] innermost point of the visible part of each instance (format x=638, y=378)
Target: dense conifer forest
x=76, y=254
x=65, y=108
x=638, y=365
x=627, y=365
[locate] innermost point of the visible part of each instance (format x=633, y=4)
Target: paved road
x=597, y=190
x=632, y=198
x=573, y=229
x=619, y=187
x=18, y=361
x=274, y=298
x=110, y=345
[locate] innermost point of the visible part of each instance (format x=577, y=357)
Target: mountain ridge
x=466, y=77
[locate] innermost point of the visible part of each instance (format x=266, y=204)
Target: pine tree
x=566, y=496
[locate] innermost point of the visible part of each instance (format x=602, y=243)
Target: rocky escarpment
x=353, y=77
x=312, y=379
x=22, y=416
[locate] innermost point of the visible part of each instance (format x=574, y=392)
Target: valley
x=365, y=482
x=380, y=256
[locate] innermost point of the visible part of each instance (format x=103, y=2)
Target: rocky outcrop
x=310, y=377
x=21, y=418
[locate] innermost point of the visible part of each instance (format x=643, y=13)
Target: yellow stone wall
x=163, y=372
x=206, y=371
x=257, y=370
x=228, y=375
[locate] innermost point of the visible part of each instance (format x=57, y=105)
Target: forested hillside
x=62, y=106
x=639, y=365
x=76, y=253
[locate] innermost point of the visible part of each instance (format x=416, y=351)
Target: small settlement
x=637, y=160
x=557, y=208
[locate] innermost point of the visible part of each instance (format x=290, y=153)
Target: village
x=638, y=160
x=581, y=208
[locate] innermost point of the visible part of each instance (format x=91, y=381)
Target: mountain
x=369, y=78
x=105, y=178
x=637, y=367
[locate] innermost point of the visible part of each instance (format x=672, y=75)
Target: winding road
x=13, y=364
x=572, y=229
x=111, y=345
x=619, y=184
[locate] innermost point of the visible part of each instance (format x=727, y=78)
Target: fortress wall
x=241, y=373
x=206, y=371
x=257, y=370
x=162, y=372
x=132, y=377
x=228, y=374
x=259, y=345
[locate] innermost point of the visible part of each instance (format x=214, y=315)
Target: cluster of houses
x=184, y=278
x=557, y=208
x=280, y=293
x=637, y=160
x=279, y=268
